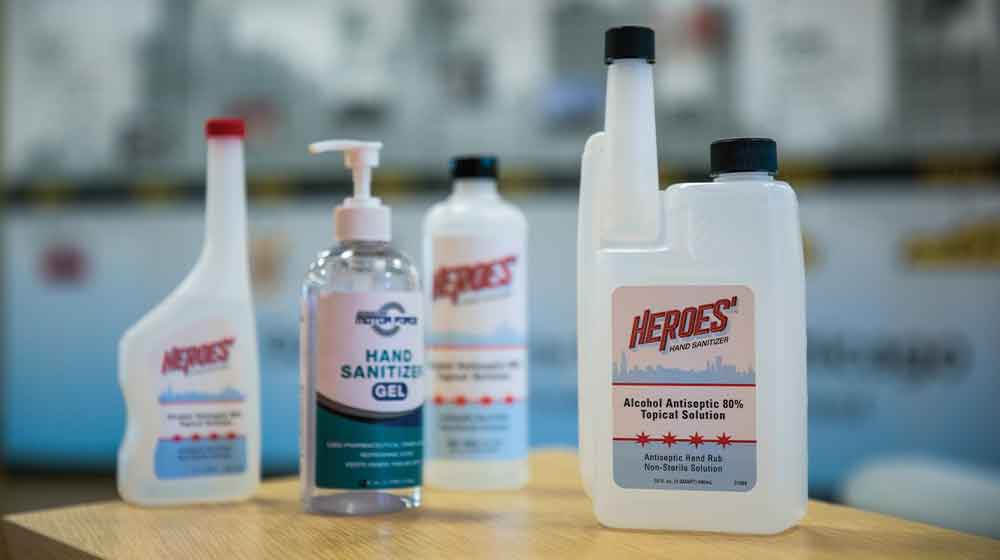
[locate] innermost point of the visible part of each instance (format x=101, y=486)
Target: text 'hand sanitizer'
x=362, y=342
x=692, y=372
x=475, y=263
x=188, y=369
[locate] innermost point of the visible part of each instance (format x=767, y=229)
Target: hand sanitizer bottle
x=691, y=324
x=362, y=360
x=188, y=369
x=476, y=269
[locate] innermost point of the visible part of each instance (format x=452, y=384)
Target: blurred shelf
x=950, y=169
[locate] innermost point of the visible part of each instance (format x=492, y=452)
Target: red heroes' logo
x=452, y=281
x=186, y=357
x=664, y=326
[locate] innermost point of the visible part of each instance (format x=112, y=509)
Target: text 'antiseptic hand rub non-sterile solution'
x=188, y=369
x=476, y=268
x=691, y=326
x=362, y=340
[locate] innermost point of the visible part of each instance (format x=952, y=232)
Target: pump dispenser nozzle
x=361, y=217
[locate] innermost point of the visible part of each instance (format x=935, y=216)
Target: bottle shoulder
x=183, y=310
x=347, y=250
x=475, y=215
x=772, y=188
x=363, y=266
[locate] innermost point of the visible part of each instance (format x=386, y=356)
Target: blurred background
x=885, y=113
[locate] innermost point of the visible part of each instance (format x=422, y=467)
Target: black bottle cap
x=629, y=41
x=474, y=166
x=734, y=155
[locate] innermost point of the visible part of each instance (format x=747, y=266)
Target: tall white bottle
x=692, y=327
x=475, y=265
x=189, y=368
x=362, y=341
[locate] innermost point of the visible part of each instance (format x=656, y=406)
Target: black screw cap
x=735, y=155
x=474, y=166
x=629, y=41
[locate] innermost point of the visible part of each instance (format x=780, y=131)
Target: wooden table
x=551, y=519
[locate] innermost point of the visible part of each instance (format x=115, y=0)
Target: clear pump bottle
x=362, y=353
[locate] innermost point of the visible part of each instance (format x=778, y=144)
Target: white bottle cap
x=361, y=217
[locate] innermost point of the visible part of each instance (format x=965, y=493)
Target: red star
x=439, y=400
x=231, y=435
x=213, y=435
x=669, y=440
x=724, y=440
x=461, y=400
x=177, y=437
x=509, y=399
x=642, y=439
x=697, y=439
x=486, y=400
x=195, y=437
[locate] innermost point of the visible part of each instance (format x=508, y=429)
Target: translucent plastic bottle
x=189, y=368
x=362, y=361
x=475, y=262
x=692, y=327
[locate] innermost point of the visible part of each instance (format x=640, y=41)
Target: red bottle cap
x=224, y=127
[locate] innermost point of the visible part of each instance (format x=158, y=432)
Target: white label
x=202, y=403
x=477, y=349
x=370, y=349
x=684, y=388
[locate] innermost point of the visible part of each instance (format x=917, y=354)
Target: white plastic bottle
x=692, y=327
x=475, y=264
x=362, y=386
x=189, y=368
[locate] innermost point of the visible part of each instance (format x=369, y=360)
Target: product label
x=477, y=351
x=684, y=388
x=369, y=390
x=201, y=402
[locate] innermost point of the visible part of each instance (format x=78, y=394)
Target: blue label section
x=708, y=467
x=205, y=457
x=497, y=431
x=353, y=452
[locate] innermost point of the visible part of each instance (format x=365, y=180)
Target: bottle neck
x=225, y=247
x=630, y=128
x=743, y=176
x=364, y=245
x=475, y=188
